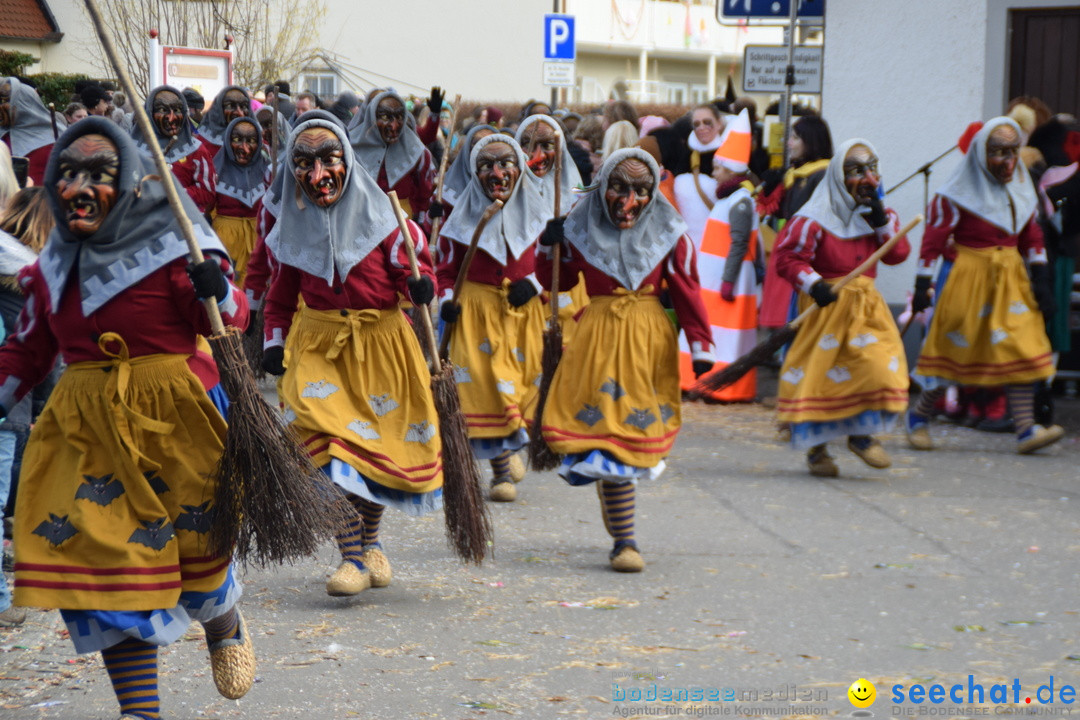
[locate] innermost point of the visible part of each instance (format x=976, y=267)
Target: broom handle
x=414, y=266
x=556, y=250
x=465, y=263
x=217, y=327
x=866, y=265
x=274, y=130
x=436, y=224
x=52, y=117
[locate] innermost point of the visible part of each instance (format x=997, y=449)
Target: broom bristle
x=272, y=505
x=253, y=345
x=468, y=525
x=759, y=355
x=541, y=456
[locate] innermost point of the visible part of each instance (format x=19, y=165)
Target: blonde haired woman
x=619, y=135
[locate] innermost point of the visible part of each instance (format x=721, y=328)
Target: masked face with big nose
x=319, y=165
x=88, y=184
x=497, y=170
x=390, y=119
x=168, y=112
x=538, y=142
x=629, y=190
x=861, y=176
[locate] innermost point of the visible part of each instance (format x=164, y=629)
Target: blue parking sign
x=559, y=37
x=769, y=9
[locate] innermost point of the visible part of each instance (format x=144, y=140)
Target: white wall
x=907, y=75
x=483, y=49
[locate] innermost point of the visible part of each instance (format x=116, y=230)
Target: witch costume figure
x=25, y=126
x=113, y=511
x=987, y=329
x=232, y=102
x=536, y=135
x=192, y=164
x=496, y=327
x=614, y=404
x=243, y=174
x=385, y=140
x=355, y=385
x=845, y=374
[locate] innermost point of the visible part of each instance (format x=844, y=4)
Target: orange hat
x=734, y=150
x=969, y=134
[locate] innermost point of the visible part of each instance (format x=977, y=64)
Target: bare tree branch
x=272, y=38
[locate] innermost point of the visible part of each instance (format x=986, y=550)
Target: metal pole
x=789, y=76
x=554, y=90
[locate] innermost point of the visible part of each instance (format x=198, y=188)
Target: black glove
x=822, y=293
x=553, y=232
x=273, y=360
x=421, y=289
x=450, y=312
x=521, y=292
x=920, y=299
x=435, y=210
x=208, y=280
x=877, y=217
x=1043, y=287
x=701, y=367
x=435, y=100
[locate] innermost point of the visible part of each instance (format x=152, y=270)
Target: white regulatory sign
x=764, y=67
x=559, y=74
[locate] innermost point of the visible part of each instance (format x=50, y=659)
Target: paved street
x=759, y=578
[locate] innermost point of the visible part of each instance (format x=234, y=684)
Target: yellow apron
x=617, y=385
x=115, y=499
x=238, y=236
x=356, y=388
x=987, y=328
x=496, y=353
x=847, y=358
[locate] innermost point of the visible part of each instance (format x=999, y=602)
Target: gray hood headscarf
x=32, y=128
x=213, y=123
x=515, y=227
x=399, y=158
x=570, y=177
x=972, y=187
x=246, y=183
x=831, y=205
x=458, y=174
x=319, y=240
x=185, y=140
x=139, y=236
x=628, y=256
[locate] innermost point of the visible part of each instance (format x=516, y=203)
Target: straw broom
x=765, y=350
x=270, y=504
x=541, y=456
x=468, y=525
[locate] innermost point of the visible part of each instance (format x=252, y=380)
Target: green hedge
x=57, y=87
x=13, y=62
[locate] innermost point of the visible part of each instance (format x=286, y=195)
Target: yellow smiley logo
x=861, y=693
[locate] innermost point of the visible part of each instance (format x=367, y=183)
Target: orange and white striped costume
x=733, y=323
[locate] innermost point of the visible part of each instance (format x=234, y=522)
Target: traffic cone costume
x=728, y=254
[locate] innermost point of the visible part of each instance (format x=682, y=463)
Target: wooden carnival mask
x=497, y=170
x=319, y=165
x=629, y=190
x=89, y=183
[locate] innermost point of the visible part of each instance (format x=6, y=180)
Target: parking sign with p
x=559, y=37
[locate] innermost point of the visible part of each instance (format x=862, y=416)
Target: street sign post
x=768, y=12
x=560, y=51
x=765, y=68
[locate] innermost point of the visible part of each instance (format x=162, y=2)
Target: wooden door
x=1045, y=57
